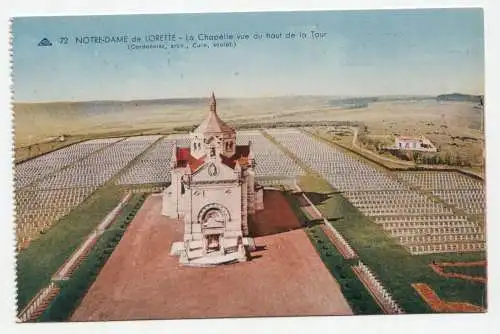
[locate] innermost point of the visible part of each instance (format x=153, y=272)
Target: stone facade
x=213, y=190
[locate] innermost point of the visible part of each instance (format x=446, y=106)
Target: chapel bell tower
x=213, y=137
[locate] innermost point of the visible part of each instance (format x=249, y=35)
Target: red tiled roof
x=241, y=155
x=184, y=157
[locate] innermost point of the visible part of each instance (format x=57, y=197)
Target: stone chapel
x=213, y=190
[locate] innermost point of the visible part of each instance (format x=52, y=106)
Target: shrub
x=353, y=290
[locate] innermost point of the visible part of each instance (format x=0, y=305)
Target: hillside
x=460, y=97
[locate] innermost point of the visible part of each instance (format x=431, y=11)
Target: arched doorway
x=213, y=219
x=213, y=229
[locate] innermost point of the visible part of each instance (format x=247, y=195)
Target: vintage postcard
x=181, y=166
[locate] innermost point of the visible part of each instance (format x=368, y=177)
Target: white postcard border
x=435, y=323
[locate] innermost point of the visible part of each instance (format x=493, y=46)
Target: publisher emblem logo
x=45, y=42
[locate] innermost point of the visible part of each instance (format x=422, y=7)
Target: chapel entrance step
x=194, y=254
x=213, y=260
x=195, y=244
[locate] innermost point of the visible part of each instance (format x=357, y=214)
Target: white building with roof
x=213, y=190
x=414, y=144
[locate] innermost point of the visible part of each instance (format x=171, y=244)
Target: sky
x=363, y=53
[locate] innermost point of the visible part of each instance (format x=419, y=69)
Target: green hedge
x=73, y=290
x=479, y=271
x=358, y=297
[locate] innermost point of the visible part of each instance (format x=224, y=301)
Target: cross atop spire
x=212, y=103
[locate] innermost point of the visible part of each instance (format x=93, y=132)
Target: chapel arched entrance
x=213, y=219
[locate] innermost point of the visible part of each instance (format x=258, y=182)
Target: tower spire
x=213, y=103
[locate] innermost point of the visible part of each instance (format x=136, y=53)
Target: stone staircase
x=214, y=260
x=191, y=253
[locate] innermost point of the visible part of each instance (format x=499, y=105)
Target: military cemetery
x=340, y=170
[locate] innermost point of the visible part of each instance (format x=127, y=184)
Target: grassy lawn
x=37, y=263
x=479, y=271
x=73, y=290
x=396, y=268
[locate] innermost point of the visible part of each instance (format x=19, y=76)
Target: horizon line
x=239, y=98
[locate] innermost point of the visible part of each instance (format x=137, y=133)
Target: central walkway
x=142, y=281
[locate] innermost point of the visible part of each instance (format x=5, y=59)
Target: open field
x=268, y=285
x=456, y=128
x=35, y=123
